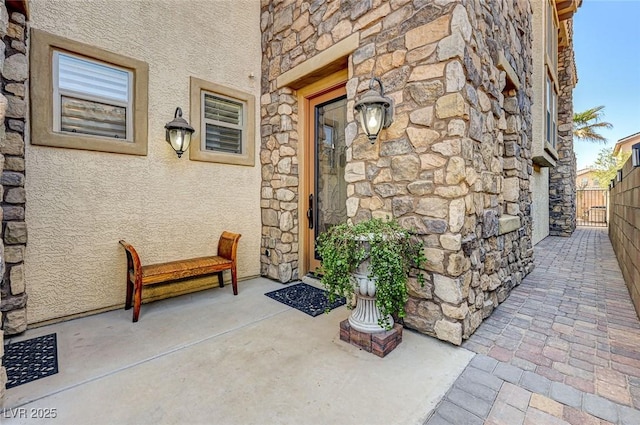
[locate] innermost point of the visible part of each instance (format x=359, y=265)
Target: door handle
x=310, y=212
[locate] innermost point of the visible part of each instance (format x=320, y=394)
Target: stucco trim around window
x=545, y=80
x=196, y=151
x=43, y=46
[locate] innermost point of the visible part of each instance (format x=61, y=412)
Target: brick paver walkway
x=564, y=348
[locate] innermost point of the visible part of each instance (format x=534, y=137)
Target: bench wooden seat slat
x=152, y=274
x=163, y=272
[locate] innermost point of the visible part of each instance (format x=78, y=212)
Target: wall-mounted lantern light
x=179, y=133
x=619, y=175
x=374, y=110
x=635, y=155
x=612, y=183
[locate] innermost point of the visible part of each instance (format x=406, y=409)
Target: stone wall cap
x=508, y=223
x=503, y=63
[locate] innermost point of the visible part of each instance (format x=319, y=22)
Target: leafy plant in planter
x=390, y=254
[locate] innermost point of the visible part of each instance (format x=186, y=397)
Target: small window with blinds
x=91, y=98
x=84, y=97
x=222, y=124
x=224, y=119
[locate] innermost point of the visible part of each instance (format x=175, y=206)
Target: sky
x=607, y=51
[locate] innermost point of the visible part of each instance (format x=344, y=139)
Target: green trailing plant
x=393, y=253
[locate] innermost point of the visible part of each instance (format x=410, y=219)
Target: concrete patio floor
x=563, y=349
x=211, y=357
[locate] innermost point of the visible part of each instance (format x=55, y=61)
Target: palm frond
x=587, y=123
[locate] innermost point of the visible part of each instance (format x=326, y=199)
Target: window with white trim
x=91, y=97
x=552, y=34
x=223, y=123
x=84, y=97
x=551, y=119
x=551, y=67
x=224, y=119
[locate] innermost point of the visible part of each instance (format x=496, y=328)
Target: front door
x=326, y=189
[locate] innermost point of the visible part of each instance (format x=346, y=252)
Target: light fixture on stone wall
x=179, y=133
x=374, y=110
x=612, y=183
x=635, y=155
x=619, y=175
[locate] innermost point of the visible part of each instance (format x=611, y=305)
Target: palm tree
x=586, y=125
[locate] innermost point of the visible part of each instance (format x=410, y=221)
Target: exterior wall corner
x=455, y=160
x=562, y=177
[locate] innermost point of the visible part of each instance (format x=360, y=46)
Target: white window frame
x=205, y=121
x=197, y=149
x=58, y=93
x=551, y=77
x=551, y=112
x=551, y=47
x=44, y=97
x=546, y=83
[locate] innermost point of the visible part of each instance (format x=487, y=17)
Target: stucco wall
x=559, y=194
x=540, y=207
x=538, y=111
x=80, y=203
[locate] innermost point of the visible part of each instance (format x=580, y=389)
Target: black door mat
x=30, y=359
x=306, y=298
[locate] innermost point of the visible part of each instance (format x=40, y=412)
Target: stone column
x=4, y=24
x=14, y=87
x=562, y=177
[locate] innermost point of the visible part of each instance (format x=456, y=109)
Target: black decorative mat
x=306, y=298
x=31, y=359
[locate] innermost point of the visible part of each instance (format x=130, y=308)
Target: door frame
x=305, y=134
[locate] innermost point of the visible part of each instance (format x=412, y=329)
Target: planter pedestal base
x=379, y=343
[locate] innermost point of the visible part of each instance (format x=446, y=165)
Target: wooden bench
x=139, y=276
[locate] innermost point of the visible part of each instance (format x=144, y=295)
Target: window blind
x=93, y=79
x=93, y=97
x=224, y=124
x=98, y=119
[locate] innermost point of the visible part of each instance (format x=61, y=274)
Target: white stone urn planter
x=366, y=316
x=369, y=262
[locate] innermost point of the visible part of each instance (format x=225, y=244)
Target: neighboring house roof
x=584, y=171
x=624, y=144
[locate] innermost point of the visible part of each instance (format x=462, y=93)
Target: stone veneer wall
x=456, y=160
x=562, y=177
x=4, y=25
x=14, y=77
x=624, y=228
